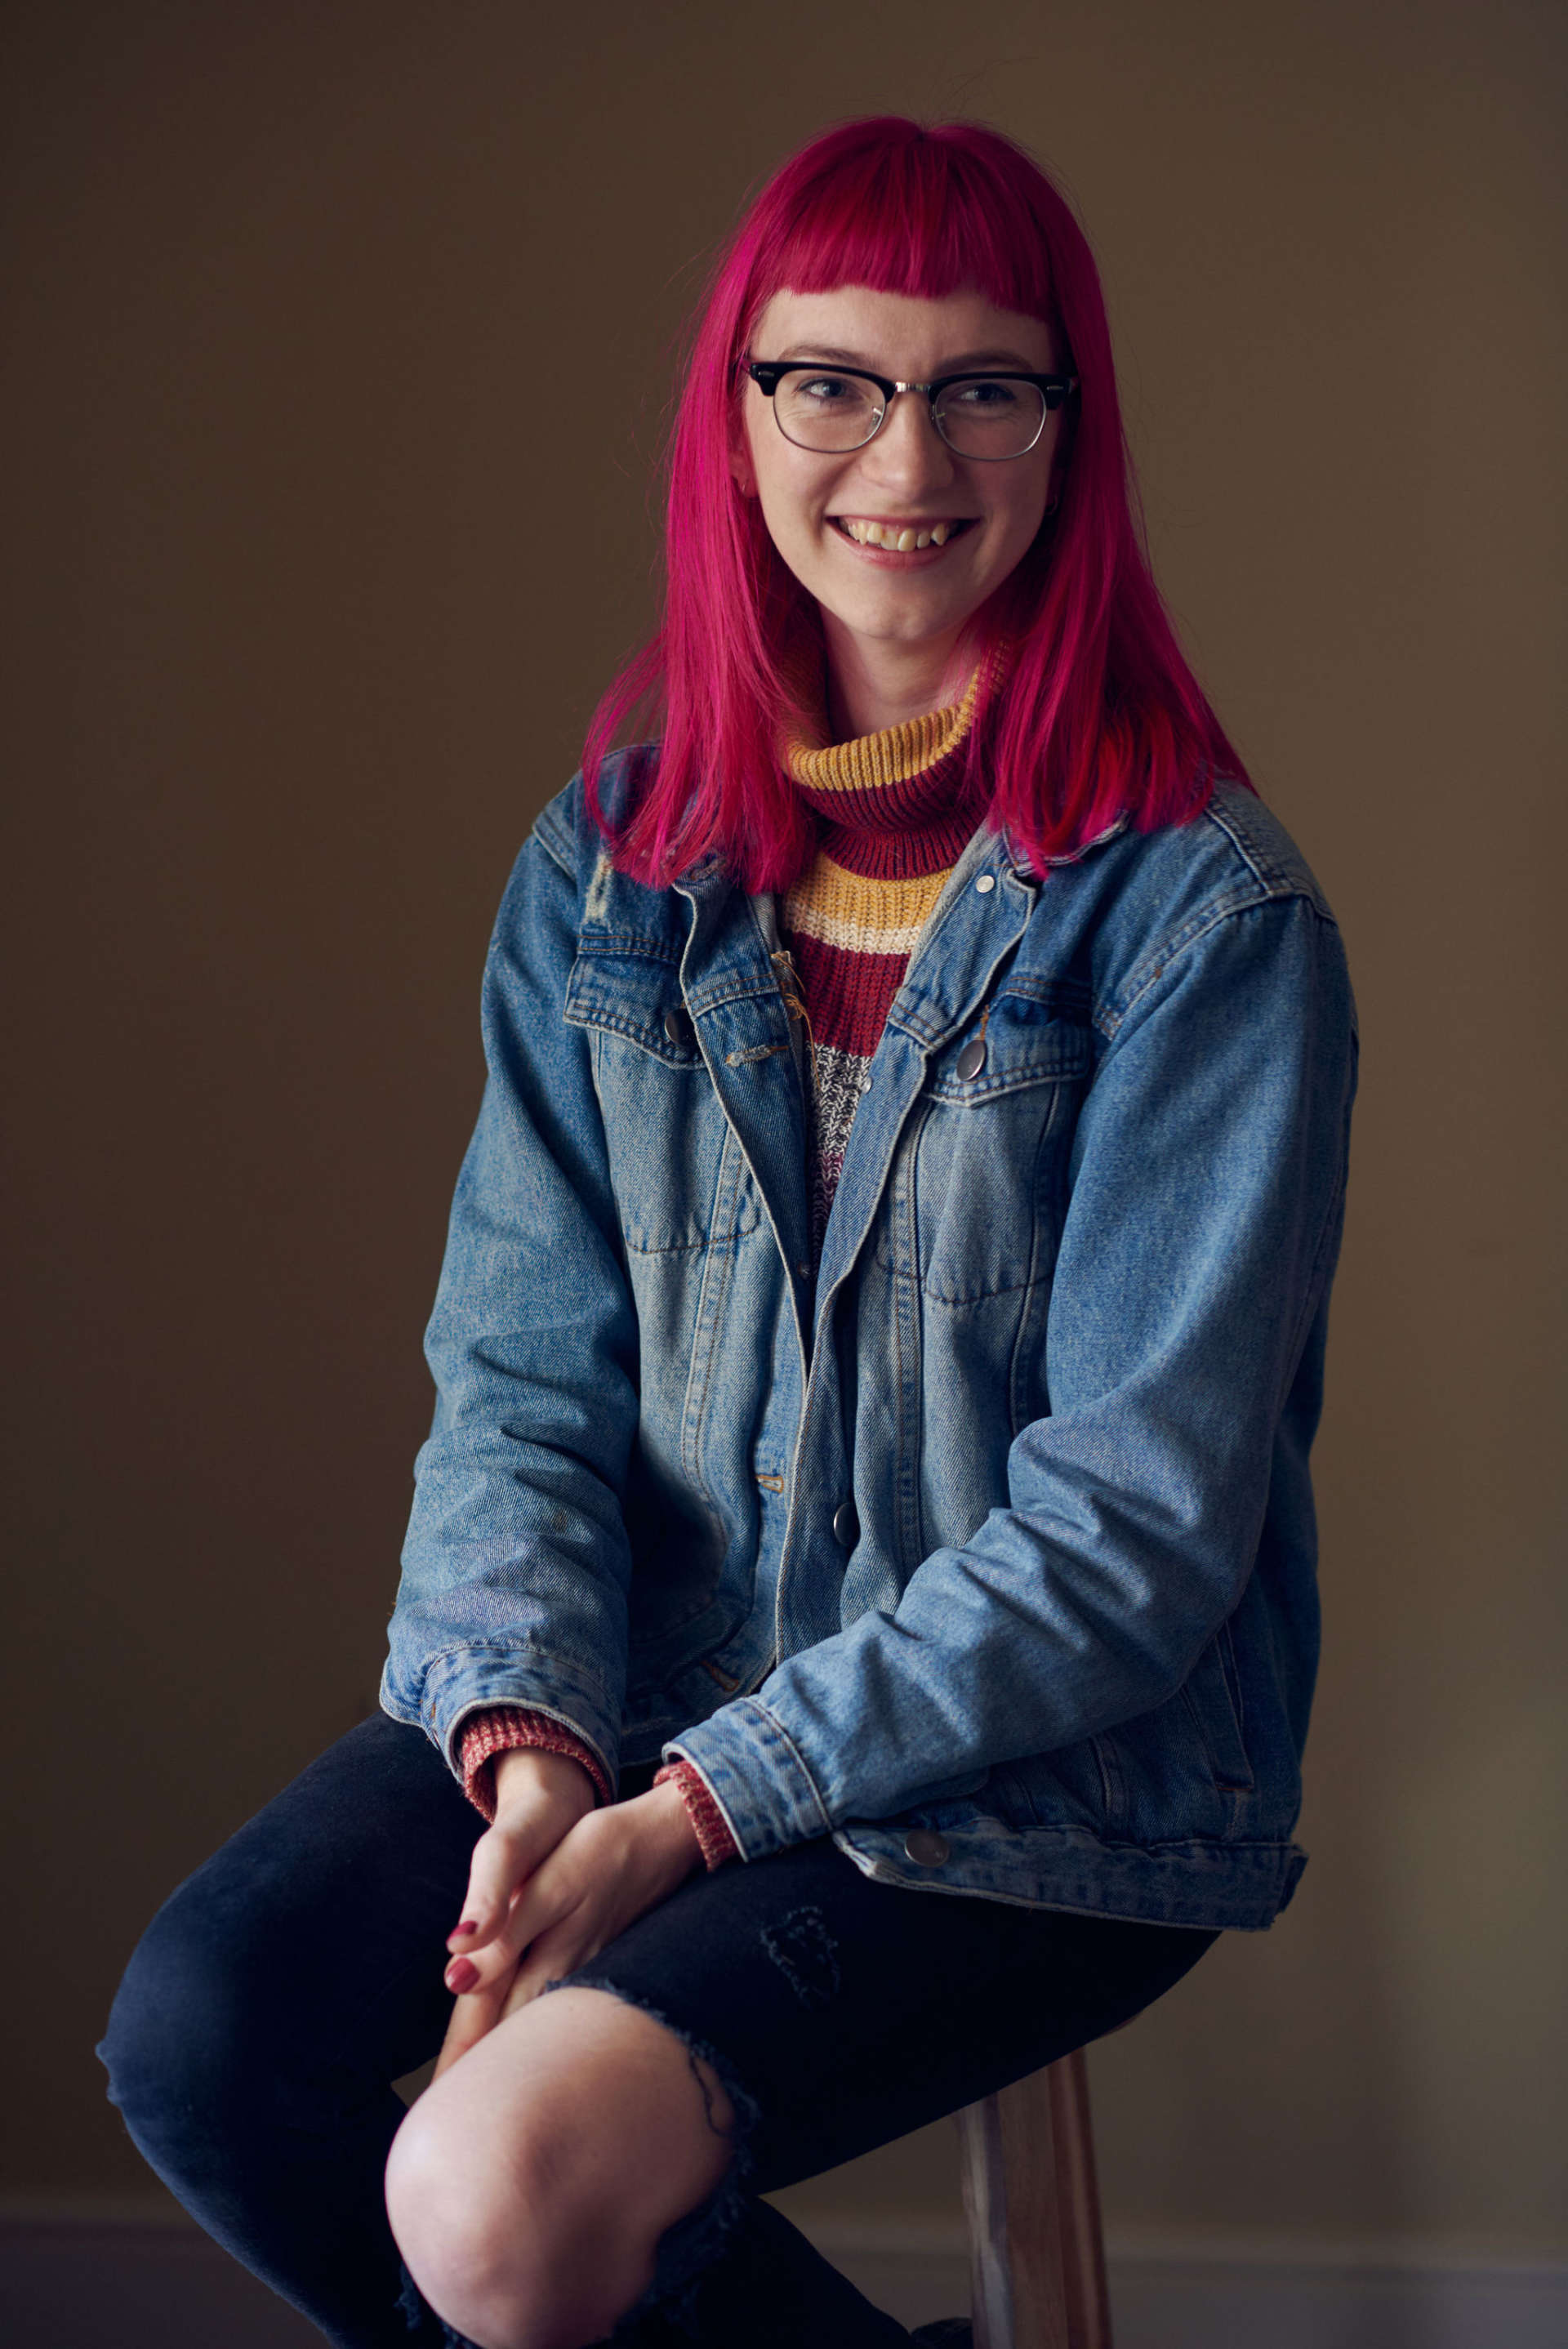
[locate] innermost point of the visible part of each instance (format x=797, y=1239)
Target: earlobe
x=742, y=472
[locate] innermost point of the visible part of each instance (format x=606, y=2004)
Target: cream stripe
x=858, y=915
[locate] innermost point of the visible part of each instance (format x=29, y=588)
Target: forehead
x=905, y=336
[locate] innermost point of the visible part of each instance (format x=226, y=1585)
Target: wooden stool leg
x=1036, y=2259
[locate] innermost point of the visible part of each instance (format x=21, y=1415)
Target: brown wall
x=309, y=600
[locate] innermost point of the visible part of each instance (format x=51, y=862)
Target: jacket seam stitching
x=1156, y=964
x=1277, y=879
x=718, y=1270
x=1268, y=875
x=633, y=945
x=1016, y=1080
x=557, y=851
x=525, y=1647
x=772, y=1718
x=1313, y=1297
x=579, y=1014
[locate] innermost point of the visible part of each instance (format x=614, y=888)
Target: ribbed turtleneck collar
x=893, y=803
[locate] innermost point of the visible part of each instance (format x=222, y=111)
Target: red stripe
x=849, y=995
x=894, y=832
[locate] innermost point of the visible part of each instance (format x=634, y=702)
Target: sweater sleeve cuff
x=713, y=1836
x=504, y=1726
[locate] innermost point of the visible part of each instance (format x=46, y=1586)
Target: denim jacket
x=988, y=1546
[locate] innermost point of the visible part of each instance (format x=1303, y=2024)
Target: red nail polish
x=469, y=1925
x=461, y=1975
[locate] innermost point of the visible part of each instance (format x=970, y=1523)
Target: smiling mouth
x=899, y=537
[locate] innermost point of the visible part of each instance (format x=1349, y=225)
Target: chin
x=908, y=627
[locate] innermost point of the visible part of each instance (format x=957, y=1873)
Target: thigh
x=841, y=2013
x=275, y=1999
x=315, y=1936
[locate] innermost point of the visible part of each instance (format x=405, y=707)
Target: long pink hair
x=1094, y=715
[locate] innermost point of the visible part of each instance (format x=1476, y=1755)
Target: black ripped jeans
x=253, y=2062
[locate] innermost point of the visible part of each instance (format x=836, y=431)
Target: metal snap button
x=678, y=1029
x=985, y=882
x=926, y=1847
x=846, y=1526
x=972, y=1059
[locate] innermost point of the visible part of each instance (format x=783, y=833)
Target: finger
x=472, y=2017
x=543, y=1899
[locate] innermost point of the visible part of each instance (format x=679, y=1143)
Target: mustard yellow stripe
x=861, y=916
x=894, y=756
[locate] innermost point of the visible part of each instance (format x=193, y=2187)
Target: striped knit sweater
x=892, y=820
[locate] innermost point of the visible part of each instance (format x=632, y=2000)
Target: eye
x=826, y=390
x=985, y=394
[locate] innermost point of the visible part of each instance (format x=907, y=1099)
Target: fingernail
x=461, y=1975
x=469, y=1925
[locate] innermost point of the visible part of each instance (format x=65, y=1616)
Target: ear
x=1062, y=458
x=742, y=472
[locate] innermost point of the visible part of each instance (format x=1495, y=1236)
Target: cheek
x=789, y=509
x=1029, y=506
x=778, y=516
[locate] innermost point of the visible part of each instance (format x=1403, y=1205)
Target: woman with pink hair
x=878, y=1352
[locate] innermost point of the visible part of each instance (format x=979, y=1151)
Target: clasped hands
x=551, y=1881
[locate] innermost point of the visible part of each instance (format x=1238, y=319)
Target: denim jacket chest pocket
x=978, y=1195
x=677, y=1173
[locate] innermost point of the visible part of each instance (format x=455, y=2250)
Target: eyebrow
x=961, y=364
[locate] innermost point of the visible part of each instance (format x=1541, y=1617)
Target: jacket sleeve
x=516, y=1567
x=1199, y=1235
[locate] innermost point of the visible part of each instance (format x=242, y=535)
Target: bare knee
x=528, y=2188
x=491, y=2246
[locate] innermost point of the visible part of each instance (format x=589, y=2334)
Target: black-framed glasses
x=831, y=409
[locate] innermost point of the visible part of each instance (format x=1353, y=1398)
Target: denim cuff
x=759, y=1781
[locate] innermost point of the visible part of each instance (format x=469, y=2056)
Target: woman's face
x=907, y=477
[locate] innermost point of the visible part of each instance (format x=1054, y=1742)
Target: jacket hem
x=1210, y=1886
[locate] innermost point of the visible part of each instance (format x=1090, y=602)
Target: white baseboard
x=136, y=2275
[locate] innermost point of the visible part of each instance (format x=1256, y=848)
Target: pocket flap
x=1022, y=1039
x=637, y=996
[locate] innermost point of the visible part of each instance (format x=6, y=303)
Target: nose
x=907, y=452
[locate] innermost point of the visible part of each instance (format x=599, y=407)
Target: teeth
x=905, y=541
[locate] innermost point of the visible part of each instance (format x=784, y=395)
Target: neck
x=874, y=683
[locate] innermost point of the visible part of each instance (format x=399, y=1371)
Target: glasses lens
x=987, y=416
x=822, y=411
